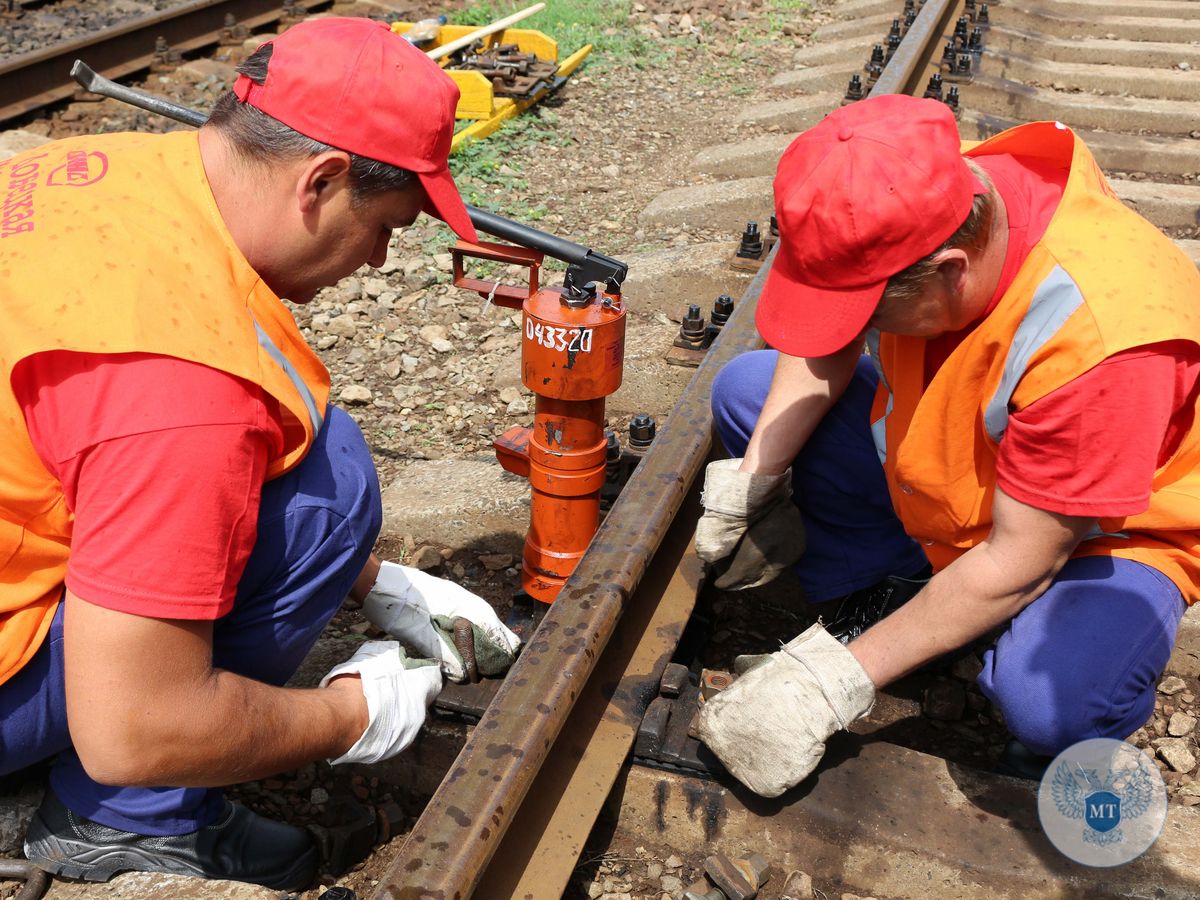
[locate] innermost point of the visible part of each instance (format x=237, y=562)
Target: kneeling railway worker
x=181, y=511
x=1024, y=426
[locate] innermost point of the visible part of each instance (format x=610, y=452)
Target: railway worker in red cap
x=181, y=510
x=1024, y=425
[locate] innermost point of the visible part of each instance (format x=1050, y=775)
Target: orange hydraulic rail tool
x=572, y=352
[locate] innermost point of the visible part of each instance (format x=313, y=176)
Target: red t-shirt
x=1074, y=451
x=162, y=462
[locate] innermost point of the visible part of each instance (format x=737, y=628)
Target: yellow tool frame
x=477, y=101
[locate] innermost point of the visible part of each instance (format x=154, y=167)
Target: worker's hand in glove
x=750, y=531
x=770, y=726
x=398, y=690
x=442, y=621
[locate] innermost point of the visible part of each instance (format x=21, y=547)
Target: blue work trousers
x=316, y=527
x=1081, y=661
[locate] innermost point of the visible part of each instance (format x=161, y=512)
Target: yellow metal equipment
x=478, y=102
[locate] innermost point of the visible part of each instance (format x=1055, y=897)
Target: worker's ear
x=953, y=265
x=319, y=176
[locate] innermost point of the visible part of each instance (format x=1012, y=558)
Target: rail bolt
x=893, y=44
x=641, y=431
x=712, y=682
x=692, y=330
x=949, y=56
x=721, y=311
x=855, y=89
x=951, y=99
x=751, y=246
x=933, y=90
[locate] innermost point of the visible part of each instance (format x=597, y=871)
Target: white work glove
x=398, y=691
x=750, y=531
x=442, y=621
x=770, y=726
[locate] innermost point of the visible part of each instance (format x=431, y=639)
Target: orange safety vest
x=114, y=244
x=1101, y=280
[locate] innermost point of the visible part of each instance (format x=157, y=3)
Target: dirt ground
x=429, y=374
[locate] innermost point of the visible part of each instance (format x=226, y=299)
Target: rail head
x=907, y=67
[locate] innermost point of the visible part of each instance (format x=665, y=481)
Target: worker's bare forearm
x=249, y=730
x=981, y=590
x=802, y=392
x=145, y=706
x=961, y=603
x=366, y=579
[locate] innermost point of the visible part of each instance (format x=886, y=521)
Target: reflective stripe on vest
x=879, y=429
x=1055, y=299
x=310, y=403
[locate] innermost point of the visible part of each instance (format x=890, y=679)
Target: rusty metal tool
x=36, y=880
x=740, y=878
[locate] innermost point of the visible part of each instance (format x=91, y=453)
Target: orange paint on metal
x=572, y=356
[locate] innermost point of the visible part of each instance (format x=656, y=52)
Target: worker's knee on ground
x=317, y=524
x=351, y=470
x=1039, y=726
x=1048, y=723
x=724, y=385
x=738, y=392
x=335, y=483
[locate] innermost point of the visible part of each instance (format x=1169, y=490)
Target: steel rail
x=39, y=78
x=450, y=849
x=909, y=64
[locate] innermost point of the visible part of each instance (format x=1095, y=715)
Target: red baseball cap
x=871, y=189
x=355, y=85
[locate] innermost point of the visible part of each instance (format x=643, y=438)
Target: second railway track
x=38, y=78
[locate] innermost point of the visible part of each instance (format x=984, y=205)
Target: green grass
x=785, y=12
x=489, y=172
x=616, y=43
x=572, y=23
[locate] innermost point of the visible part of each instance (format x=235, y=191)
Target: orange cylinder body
x=571, y=358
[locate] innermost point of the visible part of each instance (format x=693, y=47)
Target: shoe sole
x=72, y=859
x=89, y=862
x=85, y=862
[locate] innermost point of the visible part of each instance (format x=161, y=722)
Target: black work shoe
x=241, y=846
x=1019, y=761
x=859, y=611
